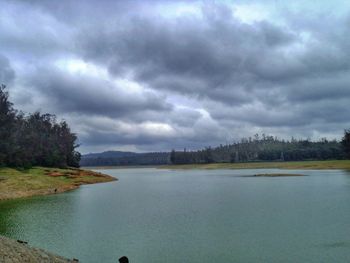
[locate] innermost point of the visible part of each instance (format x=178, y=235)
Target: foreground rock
x=12, y=251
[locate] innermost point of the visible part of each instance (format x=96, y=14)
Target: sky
x=161, y=75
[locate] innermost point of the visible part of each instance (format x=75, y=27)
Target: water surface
x=154, y=215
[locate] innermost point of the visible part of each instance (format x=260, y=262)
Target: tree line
x=35, y=139
x=267, y=148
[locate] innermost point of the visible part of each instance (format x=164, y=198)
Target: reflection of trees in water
x=26, y=219
x=8, y=216
x=14, y=216
x=347, y=176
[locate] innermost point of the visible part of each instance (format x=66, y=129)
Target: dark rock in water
x=22, y=242
x=277, y=175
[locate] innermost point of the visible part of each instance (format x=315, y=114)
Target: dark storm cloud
x=26, y=33
x=203, y=73
x=321, y=88
x=7, y=74
x=224, y=60
x=85, y=94
x=193, y=56
x=105, y=131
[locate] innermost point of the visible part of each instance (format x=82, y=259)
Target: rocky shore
x=12, y=251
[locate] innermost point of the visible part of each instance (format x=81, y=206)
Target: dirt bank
x=12, y=251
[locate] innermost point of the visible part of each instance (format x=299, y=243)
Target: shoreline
x=295, y=165
x=288, y=165
x=39, y=181
x=19, y=251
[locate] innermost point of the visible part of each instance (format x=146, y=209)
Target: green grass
x=317, y=165
x=15, y=183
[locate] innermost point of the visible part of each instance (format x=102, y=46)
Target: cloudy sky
x=156, y=75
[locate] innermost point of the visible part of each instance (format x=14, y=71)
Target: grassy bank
x=43, y=181
x=334, y=164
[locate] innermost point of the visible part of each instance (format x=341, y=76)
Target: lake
x=156, y=215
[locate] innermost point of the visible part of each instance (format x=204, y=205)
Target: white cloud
x=250, y=13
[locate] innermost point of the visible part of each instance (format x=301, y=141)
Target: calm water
x=155, y=215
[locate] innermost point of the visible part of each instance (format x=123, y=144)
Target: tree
x=208, y=155
x=173, y=156
x=346, y=143
x=282, y=156
x=35, y=139
x=7, y=121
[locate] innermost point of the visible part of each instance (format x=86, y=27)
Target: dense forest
x=34, y=139
x=114, y=158
x=267, y=148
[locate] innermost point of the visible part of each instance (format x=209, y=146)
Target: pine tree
x=346, y=143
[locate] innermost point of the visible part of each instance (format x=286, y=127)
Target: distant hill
x=109, y=154
x=119, y=158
